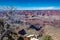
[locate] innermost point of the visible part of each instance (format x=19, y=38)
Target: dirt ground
x=53, y=31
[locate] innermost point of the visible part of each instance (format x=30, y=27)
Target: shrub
x=47, y=37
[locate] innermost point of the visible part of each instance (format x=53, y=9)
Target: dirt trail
x=53, y=31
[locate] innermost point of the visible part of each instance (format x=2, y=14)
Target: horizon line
x=30, y=8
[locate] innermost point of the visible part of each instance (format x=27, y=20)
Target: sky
x=31, y=4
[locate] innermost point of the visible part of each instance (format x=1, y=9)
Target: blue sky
x=31, y=4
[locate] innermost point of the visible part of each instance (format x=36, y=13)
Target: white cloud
x=33, y=8
x=39, y=8
x=44, y=8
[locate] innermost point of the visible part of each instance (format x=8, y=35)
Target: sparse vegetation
x=47, y=37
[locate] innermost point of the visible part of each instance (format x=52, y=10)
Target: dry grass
x=53, y=31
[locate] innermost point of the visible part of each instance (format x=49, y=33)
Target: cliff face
x=39, y=12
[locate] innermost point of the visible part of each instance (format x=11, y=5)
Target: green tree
x=47, y=37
